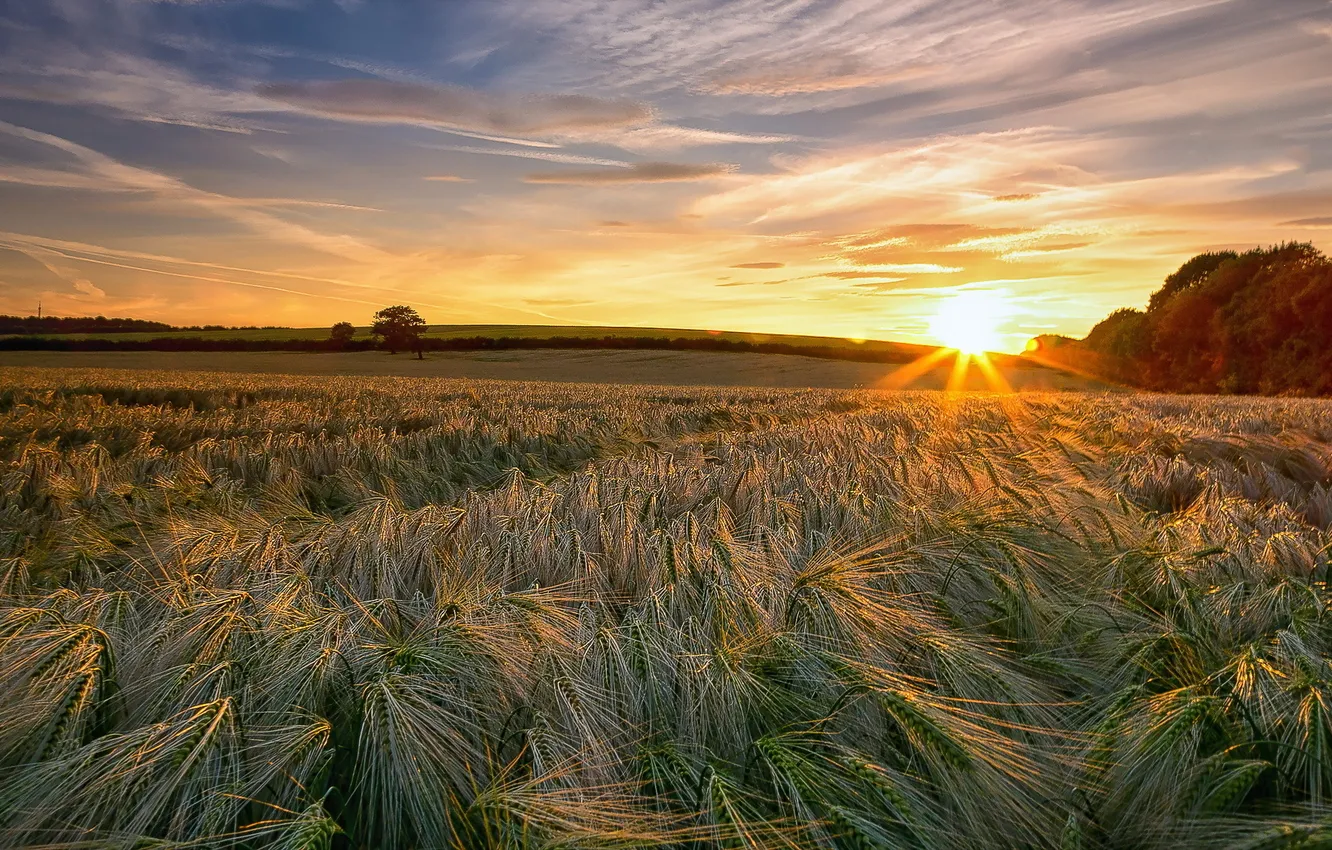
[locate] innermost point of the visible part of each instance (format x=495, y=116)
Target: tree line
x=103, y=325
x=351, y=342
x=1224, y=322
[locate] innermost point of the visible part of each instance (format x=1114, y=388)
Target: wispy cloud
x=930, y=174
x=504, y=140
x=127, y=84
x=526, y=153
x=1316, y=221
x=455, y=106
x=639, y=172
x=1322, y=28
x=894, y=269
x=815, y=75
x=668, y=137
x=68, y=259
x=98, y=172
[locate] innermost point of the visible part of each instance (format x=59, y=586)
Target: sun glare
x=969, y=322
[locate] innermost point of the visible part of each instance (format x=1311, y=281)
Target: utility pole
x=39, y=308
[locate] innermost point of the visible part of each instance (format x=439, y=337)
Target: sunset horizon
x=834, y=169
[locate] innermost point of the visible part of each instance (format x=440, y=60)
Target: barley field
x=320, y=612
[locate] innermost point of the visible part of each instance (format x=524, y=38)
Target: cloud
x=504, y=140
x=664, y=137
x=1323, y=28
x=47, y=251
x=932, y=175
x=858, y=275
x=880, y=284
x=875, y=240
x=1044, y=251
x=758, y=265
x=36, y=247
x=639, y=172
x=133, y=86
x=1013, y=242
x=880, y=270
x=1017, y=196
x=819, y=74
x=1317, y=221
x=448, y=178
x=525, y=153
x=396, y=102
x=87, y=288
x=792, y=47
x=96, y=171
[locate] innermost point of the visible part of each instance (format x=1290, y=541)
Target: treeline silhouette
x=103, y=325
x=77, y=325
x=475, y=343
x=1225, y=322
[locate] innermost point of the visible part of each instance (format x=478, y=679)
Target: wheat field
x=280, y=612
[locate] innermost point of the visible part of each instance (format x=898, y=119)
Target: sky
x=834, y=167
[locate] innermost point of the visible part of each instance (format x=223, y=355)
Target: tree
x=341, y=334
x=1257, y=321
x=1120, y=334
x=401, y=327
x=1190, y=274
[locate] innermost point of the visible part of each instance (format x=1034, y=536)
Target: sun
x=969, y=321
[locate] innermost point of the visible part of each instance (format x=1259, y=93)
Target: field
x=272, y=611
x=620, y=367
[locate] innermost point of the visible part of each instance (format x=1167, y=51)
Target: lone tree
x=401, y=327
x=341, y=334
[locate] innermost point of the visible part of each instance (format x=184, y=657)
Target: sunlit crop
x=363, y=613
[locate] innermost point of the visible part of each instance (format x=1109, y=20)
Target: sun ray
x=992, y=375
x=957, y=379
x=908, y=374
x=1071, y=368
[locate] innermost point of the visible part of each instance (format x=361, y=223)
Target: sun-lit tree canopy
x=1256, y=322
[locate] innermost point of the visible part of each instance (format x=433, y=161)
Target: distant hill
x=1257, y=322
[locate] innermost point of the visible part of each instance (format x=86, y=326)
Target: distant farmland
x=644, y=366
